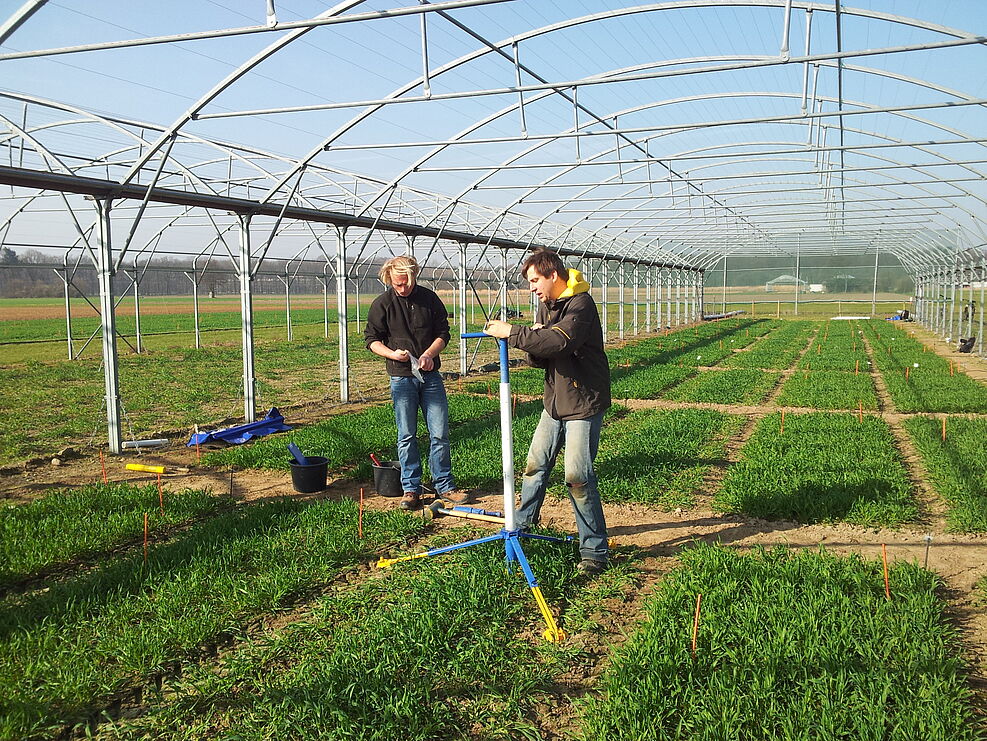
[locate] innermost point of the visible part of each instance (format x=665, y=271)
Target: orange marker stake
x=944, y=429
x=198, y=453
x=860, y=411
x=907, y=370
x=782, y=421
x=359, y=520
x=856, y=370
x=145, y=538
x=695, y=624
x=514, y=405
x=950, y=366
x=887, y=585
x=102, y=464
x=160, y=496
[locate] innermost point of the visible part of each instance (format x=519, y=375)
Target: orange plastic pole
x=944, y=429
x=102, y=464
x=145, y=537
x=907, y=370
x=782, y=421
x=887, y=585
x=160, y=496
x=856, y=369
x=695, y=623
x=860, y=411
x=359, y=520
x=950, y=366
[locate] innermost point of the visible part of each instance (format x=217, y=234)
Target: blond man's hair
x=401, y=265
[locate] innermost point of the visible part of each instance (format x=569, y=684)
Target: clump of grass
x=821, y=468
x=69, y=524
x=790, y=645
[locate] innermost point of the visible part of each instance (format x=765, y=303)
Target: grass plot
x=438, y=648
x=956, y=465
x=820, y=468
x=790, y=646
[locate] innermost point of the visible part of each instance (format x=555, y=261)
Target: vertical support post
x=107, y=310
x=701, y=291
x=636, y=274
x=287, y=303
x=620, y=295
x=983, y=283
x=605, y=275
x=64, y=275
x=247, y=322
x=798, y=269
x=678, y=298
x=723, y=296
x=462, y=308
x=194, y=278
x=873, y=295
x=647, y=302
x=325, y=299
x=342, y=316
x=504, y=297
x=952, y=301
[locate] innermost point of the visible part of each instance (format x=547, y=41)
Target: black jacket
x=569, y=346
x=411, y=323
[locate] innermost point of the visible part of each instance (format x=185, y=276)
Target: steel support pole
x=504, y=297
x=678, y=298
x=605, y=275
x=647, y=302
x=723, y=296
x=342, y=316
x=247, y=322
x=107, y=310
x=620, y=296
x=287, y=304
x=798, y=268
x=194, y=279
x=983, y=283
x=636, y=275
x=64, y=275
x=462, y=307
x=952, y=302
x=324, y=280
x=701, y=290
x=873, y=296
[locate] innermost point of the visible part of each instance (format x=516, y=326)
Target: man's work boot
x=410, y=500
x=457, y=496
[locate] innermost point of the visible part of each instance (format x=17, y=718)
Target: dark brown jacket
x=411, y=323
x=569, y=346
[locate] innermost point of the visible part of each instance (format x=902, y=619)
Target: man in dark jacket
x=567, y=341
x=409, y=326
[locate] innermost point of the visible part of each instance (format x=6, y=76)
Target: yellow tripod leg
x=383, y=563
x=553, y=634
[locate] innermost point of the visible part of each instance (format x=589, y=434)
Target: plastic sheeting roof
x=675, y=132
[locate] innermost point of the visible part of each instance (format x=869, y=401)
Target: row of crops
x=261, y=621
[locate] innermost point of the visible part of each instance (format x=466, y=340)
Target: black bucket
x=387, y=479
x=310, y=477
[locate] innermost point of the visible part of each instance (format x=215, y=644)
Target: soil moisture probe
x=510, y=533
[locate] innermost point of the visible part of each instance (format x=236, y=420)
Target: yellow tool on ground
x=155, y=469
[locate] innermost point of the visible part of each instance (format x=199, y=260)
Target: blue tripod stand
x=510, y=534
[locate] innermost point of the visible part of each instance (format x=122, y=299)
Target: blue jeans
x=581, y=439
x=408, y=395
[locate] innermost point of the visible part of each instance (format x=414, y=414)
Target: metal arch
x=22, y=14
x=606, y=15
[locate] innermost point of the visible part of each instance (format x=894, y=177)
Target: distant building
x=784, y=280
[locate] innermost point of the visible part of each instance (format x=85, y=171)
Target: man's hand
x=426, y=362
x=497, y=328
x=401, y=356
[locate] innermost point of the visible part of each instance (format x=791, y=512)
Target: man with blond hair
x=408, y=325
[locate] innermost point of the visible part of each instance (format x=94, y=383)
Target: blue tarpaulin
x=273, y=422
